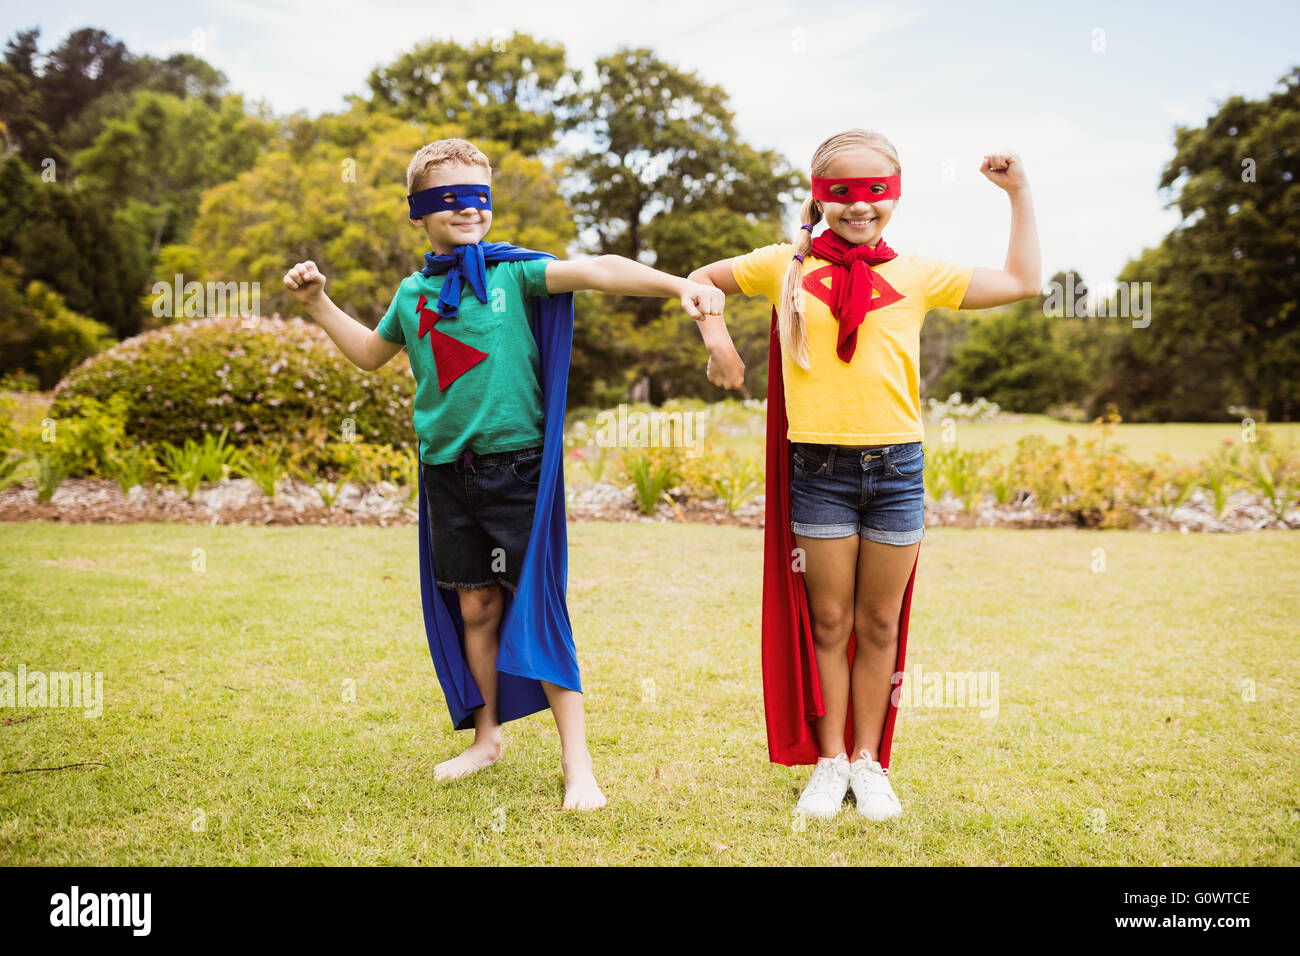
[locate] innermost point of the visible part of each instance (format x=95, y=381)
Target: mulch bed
x=239, y=501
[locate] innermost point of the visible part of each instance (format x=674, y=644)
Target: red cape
x=792, y=693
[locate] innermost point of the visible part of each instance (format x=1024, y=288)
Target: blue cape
x=536, y=634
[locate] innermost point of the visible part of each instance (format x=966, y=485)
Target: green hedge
x=279, y=380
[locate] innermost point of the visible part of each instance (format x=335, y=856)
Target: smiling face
x=455, y=227
x=860, y=221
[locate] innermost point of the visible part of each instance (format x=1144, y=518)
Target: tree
x=86, y=65
x=667, y=174
x=21, y=51
x=58, y=108
x=942, y=335
x=73, y=241
x=165, y=151
x=1225, y=318
x=39, y=333
x=1010, y=357
x=22, y=130
x=502, y=90
x=344, y=207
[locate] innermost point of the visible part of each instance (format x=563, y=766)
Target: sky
x=1088, y=95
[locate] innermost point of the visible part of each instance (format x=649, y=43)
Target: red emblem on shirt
x=818, y=282
x=452, y=358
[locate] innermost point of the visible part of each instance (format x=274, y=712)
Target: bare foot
x=479, y=754
x=581, y=792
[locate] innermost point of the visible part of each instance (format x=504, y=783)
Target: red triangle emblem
x=451, y=357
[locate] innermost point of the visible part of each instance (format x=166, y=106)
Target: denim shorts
x=877, y=493
x=481, y=516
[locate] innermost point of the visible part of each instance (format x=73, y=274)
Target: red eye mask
x=857, y=189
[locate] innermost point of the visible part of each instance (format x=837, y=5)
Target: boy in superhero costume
x=488, y=329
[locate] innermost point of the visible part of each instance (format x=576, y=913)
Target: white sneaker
x=824, y=795
x=871, y=788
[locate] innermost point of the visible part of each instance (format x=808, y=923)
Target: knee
x=480, y=607
x=831, y=626
x=876, y=626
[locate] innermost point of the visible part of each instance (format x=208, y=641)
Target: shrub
x=265, y=465
x=1089, y=480
x=737, y=482
x=651, y=475
x=8, y=430
x=194, y=464
x=365, y=462
x=132, y=467
x=275, y=381
x=85, y=445
x=9, y=474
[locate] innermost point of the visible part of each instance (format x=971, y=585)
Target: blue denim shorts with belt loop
x=877, y=493
x=481, y=516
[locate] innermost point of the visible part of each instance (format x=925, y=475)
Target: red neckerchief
x=852, y=283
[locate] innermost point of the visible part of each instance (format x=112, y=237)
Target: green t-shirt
x=496, y=405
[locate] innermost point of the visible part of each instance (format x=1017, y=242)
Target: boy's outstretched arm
x=621, y=276
x=1021, y=277
x=366, y=348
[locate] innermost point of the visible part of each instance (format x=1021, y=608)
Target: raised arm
x=364, y=347
x=1021, y=277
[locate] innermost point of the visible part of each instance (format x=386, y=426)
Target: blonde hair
x=790, y=317
x=443, y=152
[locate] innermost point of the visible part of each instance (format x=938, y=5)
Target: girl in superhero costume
x=844, y=513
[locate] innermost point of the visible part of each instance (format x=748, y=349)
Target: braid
x=790, y=317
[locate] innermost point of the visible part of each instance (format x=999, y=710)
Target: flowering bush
x=954, y=408
x=275, y=381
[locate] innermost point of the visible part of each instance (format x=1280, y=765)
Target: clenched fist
x=1004, y=170
x=726, y=369
x=703, y=301
x=304, y=282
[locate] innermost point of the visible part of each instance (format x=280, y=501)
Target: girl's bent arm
x=717, y=274
x=713, y=328
x=726, y=368
x=1021, y=277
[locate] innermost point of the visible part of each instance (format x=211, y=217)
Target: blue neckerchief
x=468, y=263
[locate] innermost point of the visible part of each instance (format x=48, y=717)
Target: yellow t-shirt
x=874, y=399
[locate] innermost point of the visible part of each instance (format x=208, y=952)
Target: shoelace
x=873, y=777
x=823, y=776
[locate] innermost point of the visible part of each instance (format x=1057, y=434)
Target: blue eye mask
x=464, y=196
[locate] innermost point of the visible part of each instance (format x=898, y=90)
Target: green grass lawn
x=1185, y=442
x=730, y=429
x=1146, y=714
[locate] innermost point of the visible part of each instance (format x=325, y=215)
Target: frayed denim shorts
x=877, y=493
x=481, y=516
